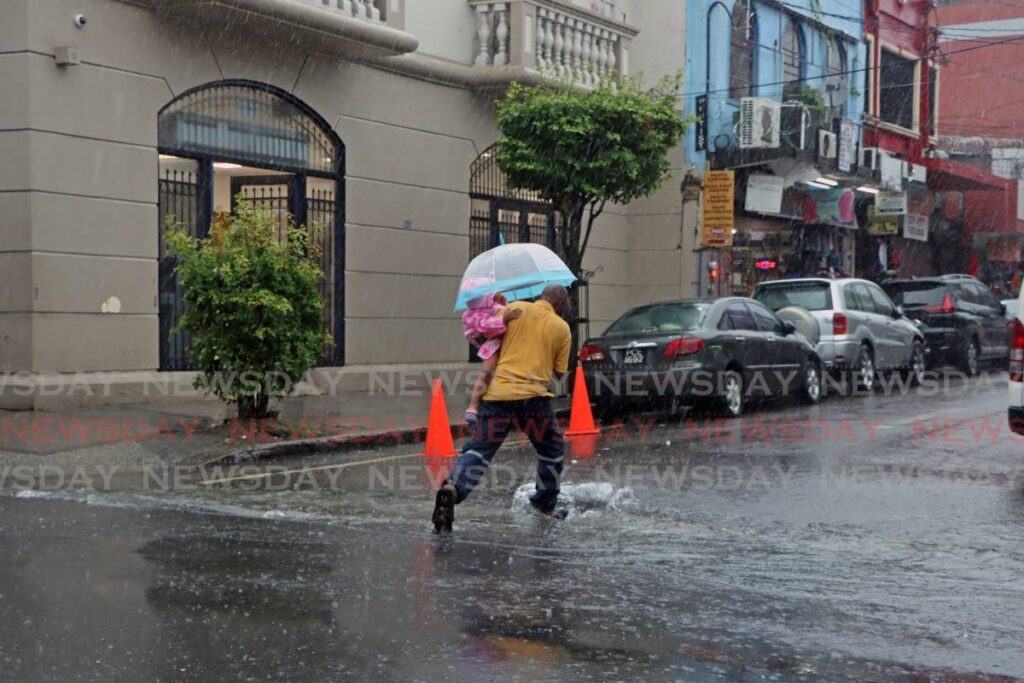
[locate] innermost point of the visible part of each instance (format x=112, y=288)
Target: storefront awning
x=945, y=175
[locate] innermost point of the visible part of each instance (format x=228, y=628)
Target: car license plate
x=633, y=357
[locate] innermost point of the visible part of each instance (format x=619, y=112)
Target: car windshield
x=814, y=296
x=915, y=294
x=659, y=318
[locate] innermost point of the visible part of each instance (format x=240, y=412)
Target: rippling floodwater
x=775, y=563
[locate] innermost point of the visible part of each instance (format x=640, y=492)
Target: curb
x=335, y=444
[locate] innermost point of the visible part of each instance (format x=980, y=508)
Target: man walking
x=534, y=349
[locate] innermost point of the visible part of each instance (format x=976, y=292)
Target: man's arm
x=562, y=352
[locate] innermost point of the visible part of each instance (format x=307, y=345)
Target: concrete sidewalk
x=186, y=432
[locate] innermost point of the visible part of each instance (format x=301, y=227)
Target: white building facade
x=372, y=118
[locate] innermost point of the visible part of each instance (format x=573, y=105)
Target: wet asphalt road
x=871, y=538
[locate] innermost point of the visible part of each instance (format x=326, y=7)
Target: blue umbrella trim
x=528, y=286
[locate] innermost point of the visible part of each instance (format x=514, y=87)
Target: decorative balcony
x=366, y=28
x=549, y=39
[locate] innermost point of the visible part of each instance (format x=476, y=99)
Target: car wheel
x=917, y=366
x=810, y=389
x=864, y=373
x=730, y=403
x=970, y=359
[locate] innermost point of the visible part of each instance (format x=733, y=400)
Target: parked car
x=1015, y=414
x=855, y=326
x=964, y=323
x=720, y=352
x=1010, y=308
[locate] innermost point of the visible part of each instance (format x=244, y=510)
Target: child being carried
x=484, y=324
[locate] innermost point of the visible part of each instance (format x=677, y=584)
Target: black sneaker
x=549, y=510
x=444, y=508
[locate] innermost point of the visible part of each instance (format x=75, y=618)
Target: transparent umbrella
x=519, y=271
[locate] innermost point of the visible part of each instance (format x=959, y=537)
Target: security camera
x=80, y=20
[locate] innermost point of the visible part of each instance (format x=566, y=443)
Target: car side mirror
x=898, y=312
x=788, y=327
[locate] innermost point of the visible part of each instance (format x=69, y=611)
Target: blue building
x=798, y=68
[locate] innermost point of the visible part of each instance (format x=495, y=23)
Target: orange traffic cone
x=439, y=429
x=581, y=420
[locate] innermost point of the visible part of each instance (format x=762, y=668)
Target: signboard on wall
x=764, y=193
x=835, y=206
x=879, y=224
x=892, y=172
x=1003, y=249
x=701, y=112
x=891, y=203
x=719, y=218
x=915, y=227
x=848, y=134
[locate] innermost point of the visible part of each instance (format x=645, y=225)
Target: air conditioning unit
x=797, y=128
x=828, y=145
x=869, y=158
x=760, y=120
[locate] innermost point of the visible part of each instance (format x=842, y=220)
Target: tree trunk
x=253, y=407
x=571, y=233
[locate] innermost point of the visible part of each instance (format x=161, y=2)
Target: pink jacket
x=483, y=325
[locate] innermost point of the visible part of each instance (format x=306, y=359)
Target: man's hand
x=511, y=314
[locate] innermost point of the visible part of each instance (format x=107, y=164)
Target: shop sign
x=701, y=112
x=915, y=227
x=892, y=173
x=831, y=206
x=764, y=193
x=847, y=145
x=891, y=203
x=719, y=214
x=879, y=224
x=1003, y=249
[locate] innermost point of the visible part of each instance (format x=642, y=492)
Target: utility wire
x=848, y=72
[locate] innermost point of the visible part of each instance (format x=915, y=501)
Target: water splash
x=586, y=499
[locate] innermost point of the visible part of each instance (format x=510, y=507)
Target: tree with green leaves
x=580, y=149
x=253, y=306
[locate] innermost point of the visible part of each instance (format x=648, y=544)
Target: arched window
x=501, y=214
x=742, y=50
x=237, y=138
x=837, y=87
x=792, y=59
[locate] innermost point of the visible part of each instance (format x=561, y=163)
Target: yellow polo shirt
x=535, y=346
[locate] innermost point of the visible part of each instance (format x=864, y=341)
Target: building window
x=837, y=87
x=742, y=51
x=792, y=60
x=896, y=89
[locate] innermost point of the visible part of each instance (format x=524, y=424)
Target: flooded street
x=874, y=538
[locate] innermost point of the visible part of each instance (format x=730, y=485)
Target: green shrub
x=253, y=307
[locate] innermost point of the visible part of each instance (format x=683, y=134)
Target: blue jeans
x=533, y=416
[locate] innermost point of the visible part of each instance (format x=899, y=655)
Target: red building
x=899, y=103
x=980, y=45
x=898, y=124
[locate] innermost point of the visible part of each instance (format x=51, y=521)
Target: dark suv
x=964, y=324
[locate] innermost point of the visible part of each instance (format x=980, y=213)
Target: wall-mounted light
x=828, y=182
x=225, y=166
x=868, y=190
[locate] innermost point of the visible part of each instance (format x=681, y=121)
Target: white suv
x=1016, y=412
x=854, y=325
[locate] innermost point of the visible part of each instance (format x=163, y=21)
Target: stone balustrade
x=558, y=40
x=367, y=10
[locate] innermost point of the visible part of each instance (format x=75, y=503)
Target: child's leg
x=482, y=382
